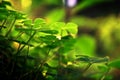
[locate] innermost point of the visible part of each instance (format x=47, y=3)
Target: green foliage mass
x=41, y=50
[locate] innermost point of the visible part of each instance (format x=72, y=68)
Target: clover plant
x=37, y=50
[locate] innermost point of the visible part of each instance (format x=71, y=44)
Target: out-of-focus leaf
x=84, y=22
x=48, y=38
x=83, y=58
x=85, y=45
x=103, y=68
x=27, y=22
x=39, y=22
x=88, y=59
x=27, y=57
x=57, y=25
x=53, y=63
x=25, y=29
x=51, y=41
x=4, y=4
x=49, y=31
x=44, y=30
x=20, y=15
x=115, y=63
x=67, y=44
x=3, y=13
x=65, y=29
x=87, y=3
x=54, y=17
x=72, y=28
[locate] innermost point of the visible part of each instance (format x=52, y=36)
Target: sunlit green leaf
x=27, y=22
x=39, y=22
x=57, y=26
x=3, y=13
x=72, y=28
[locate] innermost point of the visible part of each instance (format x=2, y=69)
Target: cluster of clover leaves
x=22, y=38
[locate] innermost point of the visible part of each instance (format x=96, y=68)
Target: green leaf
x=49, y=31
x=85, y=45
x=92, y=59
x=25, y=29
x=115, y=63
x=3, y=4
x=20, y=15
x=65, y=29
x=53, y=63
x=3, y=13
x=103, y=68
x=39, y=22
x=27, y=22
x=48, y=38
x=72, y=28
x=83, y=58
x=6, y=3
x=67, y=44
x=57, y=26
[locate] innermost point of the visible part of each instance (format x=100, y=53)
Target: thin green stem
x=18, y=35
x=87, y=67
x=11, y=26
x=46, y=59
x=18, y=52
x=3, y=23
x=27, y=54
x=40, y=67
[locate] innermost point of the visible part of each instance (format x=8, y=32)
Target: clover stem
x=18, y=52
x=87, y=67
x=3, y=24
x=11, y=26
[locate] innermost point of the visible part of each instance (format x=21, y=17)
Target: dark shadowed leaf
x=92, y=59
x=49, y=31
